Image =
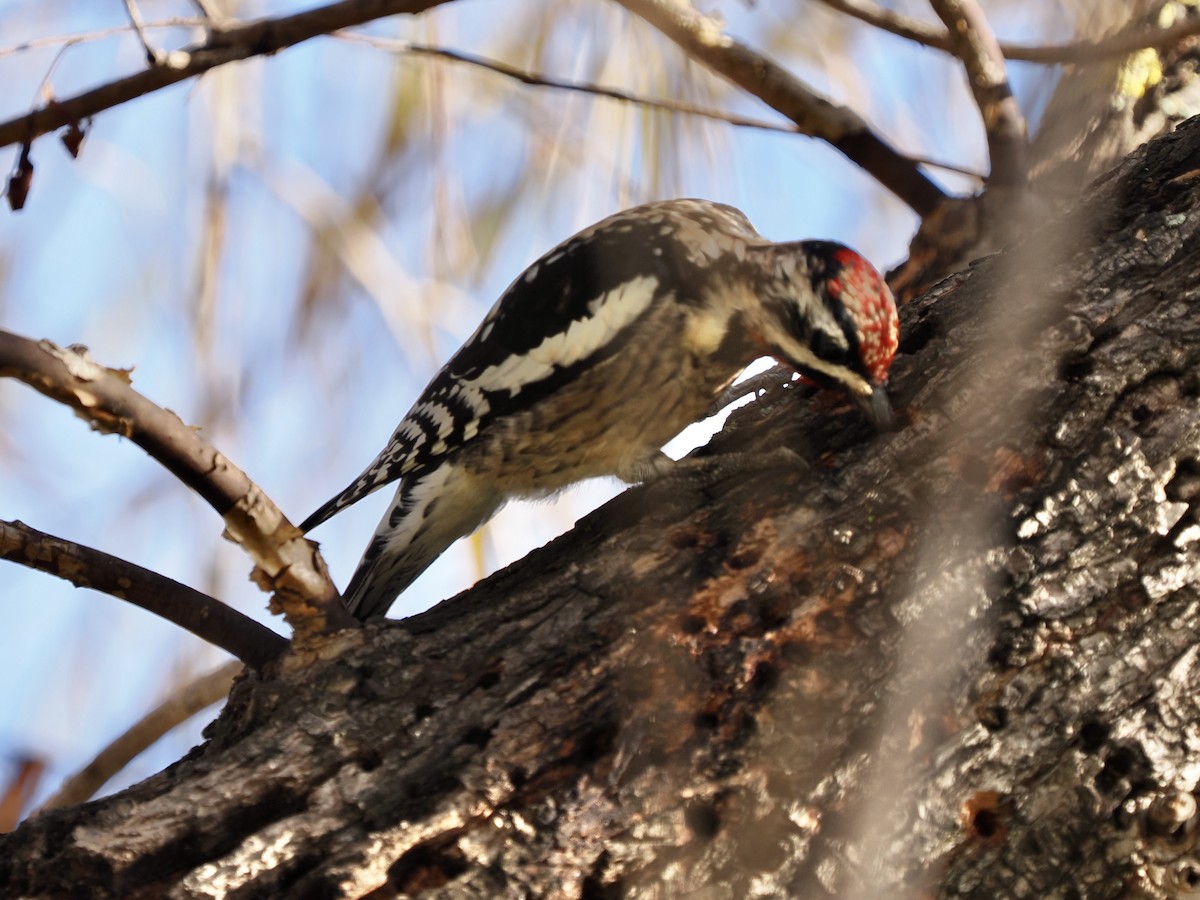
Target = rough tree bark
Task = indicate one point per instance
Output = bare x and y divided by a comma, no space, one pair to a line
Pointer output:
957,660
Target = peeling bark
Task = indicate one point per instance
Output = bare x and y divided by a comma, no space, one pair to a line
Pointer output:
957,660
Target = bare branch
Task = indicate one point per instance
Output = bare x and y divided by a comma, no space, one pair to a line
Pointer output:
20,789
1084,51
85,567
135,19
975,44
224,45
893,22
539,80
70,40
193,697
703,40
286,563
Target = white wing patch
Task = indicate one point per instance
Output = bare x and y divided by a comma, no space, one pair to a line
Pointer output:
610,313
513,374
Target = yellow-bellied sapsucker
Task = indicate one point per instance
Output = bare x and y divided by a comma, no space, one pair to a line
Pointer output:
597,355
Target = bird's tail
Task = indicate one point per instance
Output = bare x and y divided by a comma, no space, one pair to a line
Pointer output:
379,579
431,510
338,503
385,468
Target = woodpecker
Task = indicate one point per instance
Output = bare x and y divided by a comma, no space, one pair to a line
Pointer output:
599,353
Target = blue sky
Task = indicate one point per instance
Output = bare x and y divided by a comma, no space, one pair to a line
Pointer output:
109,253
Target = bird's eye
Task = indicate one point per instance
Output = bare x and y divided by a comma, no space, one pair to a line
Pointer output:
826,347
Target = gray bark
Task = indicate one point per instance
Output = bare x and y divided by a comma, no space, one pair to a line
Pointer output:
957,660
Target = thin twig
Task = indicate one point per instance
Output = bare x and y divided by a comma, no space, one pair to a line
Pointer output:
893,22
21,787
537,79
135,18
975,44
702,39
70,40
207,10
210,620
534,79
286,564
1082,51
236,42
184,703
932,163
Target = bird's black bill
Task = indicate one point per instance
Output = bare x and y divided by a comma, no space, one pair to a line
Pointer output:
877,409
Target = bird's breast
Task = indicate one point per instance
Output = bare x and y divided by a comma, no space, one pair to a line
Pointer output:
610,414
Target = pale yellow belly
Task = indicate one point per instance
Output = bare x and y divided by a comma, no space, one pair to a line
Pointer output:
605,423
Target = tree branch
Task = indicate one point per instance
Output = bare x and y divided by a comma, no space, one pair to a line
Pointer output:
285,562
70,40
20,788
534,79
198,694
135,19
702,39
974,43
537,79
224,45
1085,51
210,620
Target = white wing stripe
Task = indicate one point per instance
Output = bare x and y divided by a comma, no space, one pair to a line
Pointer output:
609,314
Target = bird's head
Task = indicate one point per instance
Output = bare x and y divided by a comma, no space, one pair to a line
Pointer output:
832,318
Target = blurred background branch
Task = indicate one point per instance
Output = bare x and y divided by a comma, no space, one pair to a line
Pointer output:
1086,50
185,702
702,39
226,45
973,42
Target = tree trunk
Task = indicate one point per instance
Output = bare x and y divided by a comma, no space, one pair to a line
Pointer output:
957,660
